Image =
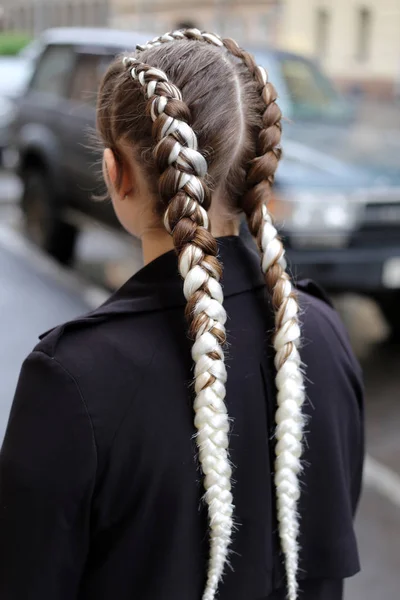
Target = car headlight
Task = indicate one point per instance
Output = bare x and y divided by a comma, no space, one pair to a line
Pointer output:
316,215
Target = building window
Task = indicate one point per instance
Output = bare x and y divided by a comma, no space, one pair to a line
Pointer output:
363,36
322,23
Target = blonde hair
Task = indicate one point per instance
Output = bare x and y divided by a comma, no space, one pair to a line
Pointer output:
185,195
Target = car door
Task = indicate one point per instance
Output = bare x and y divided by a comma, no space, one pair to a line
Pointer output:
82,150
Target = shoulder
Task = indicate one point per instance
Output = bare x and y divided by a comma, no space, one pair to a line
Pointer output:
105,355
334,382
102,359
322,326
48,411
95,338
333,410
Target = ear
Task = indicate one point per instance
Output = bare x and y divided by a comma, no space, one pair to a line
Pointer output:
109,167
119,182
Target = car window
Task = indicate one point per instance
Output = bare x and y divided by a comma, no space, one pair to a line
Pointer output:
88,72
304,83
271,64
311,93
52,73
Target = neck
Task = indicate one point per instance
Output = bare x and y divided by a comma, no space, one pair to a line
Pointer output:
155,242
158,241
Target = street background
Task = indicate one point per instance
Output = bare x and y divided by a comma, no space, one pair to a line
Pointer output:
358,46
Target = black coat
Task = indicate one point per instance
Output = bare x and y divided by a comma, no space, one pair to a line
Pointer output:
100,491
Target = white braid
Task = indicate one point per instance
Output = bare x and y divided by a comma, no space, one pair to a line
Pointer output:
289,418
211,417
289,379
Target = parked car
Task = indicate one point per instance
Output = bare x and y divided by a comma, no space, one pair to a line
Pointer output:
14,75
338,188
338,204
52,131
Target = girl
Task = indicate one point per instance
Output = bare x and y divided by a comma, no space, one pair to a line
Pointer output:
109,445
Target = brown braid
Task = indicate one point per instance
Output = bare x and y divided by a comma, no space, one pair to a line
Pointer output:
260,178
186,198
227,105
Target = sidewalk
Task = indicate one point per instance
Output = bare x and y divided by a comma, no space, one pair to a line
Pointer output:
37,296
378,531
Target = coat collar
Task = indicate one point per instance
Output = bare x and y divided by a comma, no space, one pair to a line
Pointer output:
159,286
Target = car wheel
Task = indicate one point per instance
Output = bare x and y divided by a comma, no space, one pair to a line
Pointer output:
390,307
43,224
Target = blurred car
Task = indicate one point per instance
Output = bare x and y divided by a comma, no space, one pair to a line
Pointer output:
337,194
14,75
33,49
338,205
52,130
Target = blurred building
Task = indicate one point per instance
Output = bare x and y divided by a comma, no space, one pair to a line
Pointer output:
253,20
32,16
248,21
357,41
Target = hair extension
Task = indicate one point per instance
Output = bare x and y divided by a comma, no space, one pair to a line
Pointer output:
185,193
289,377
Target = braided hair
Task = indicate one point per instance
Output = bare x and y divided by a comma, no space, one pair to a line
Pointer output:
289,379
184,194
187,197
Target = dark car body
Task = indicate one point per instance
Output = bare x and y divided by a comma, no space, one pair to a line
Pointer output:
14,75
344,201
56,117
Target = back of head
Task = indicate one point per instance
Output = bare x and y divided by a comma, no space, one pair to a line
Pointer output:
200,116
224,103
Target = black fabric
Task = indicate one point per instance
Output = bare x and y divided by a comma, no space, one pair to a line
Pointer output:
100,490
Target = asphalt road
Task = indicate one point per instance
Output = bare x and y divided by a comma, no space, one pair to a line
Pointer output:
29,283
